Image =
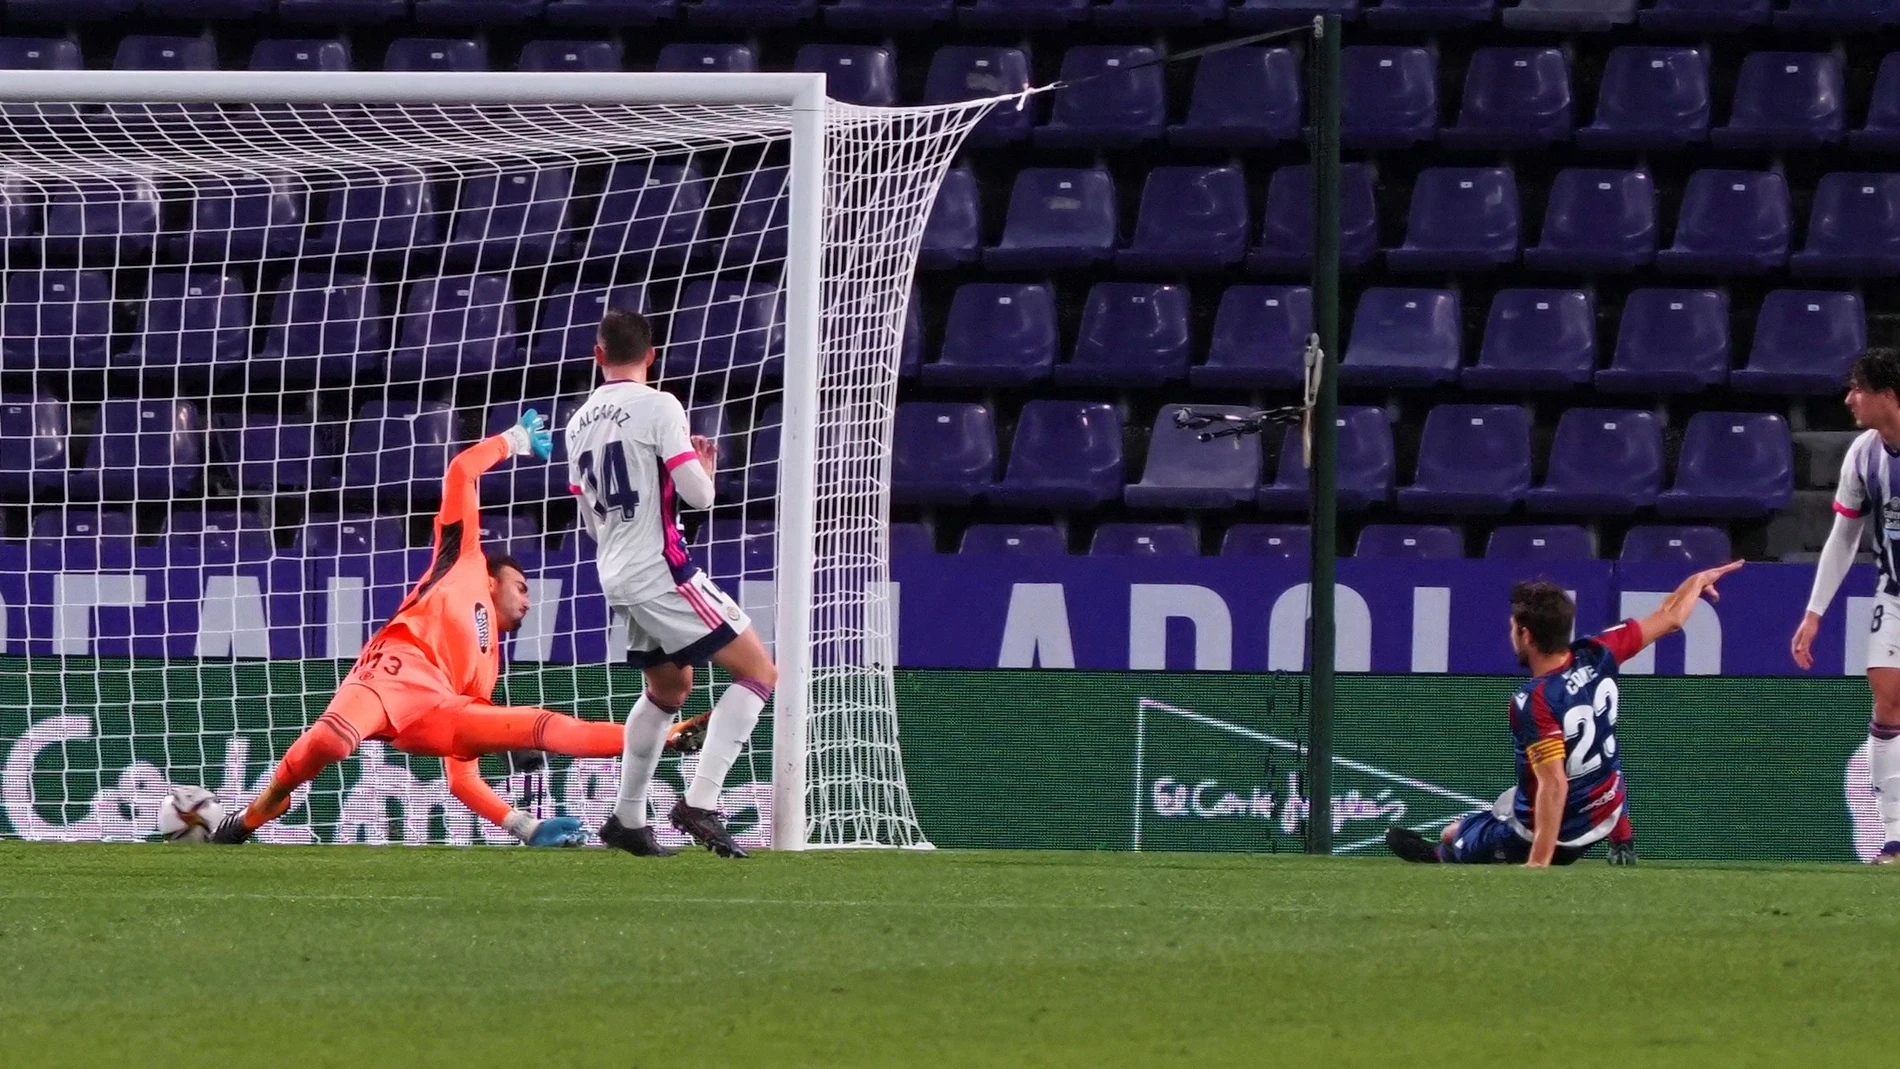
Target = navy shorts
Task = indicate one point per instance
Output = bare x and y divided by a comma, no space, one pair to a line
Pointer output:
1483,839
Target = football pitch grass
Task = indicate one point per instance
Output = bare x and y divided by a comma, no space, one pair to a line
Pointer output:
128,956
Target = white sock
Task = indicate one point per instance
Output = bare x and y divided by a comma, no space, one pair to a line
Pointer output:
1883,760
732,722
647,726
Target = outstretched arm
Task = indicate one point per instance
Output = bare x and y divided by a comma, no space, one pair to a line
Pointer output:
1675,609
469,788
461,494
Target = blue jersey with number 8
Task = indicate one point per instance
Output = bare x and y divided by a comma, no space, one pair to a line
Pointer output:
1570,716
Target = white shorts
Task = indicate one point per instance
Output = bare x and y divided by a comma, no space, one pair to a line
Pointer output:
683,626
1883,640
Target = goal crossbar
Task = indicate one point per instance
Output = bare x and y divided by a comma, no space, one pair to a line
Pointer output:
800,91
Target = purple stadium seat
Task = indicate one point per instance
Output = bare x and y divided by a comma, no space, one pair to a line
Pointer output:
1694,547
1541,542
1514,98
1066,455
435,54
610,13
1192,219
1804,342
888,14
1160,13
1389,96
954,233
1651,98
146,450
1278,541
731,331
20,214
912,540
1602,461
511,533
1732,222
1472,460
1670,341
1597,220
81,540
758,481
478,12
1838,15
1366,465
33,435
39,53
744,14
1855,227
377,214
1405,541
966,72
570,56
855,74
1133,334
269,454
511,220
1705,16
101,222
354,535
760,217
1012,540
1404,338
1571,16
1243,98
683,58
1431,14
1259,339
570,319
533,482
455,326
1116,99
241,219
655,210
225,537
1286,228
1536,340
399,448
997,334
1262,14
1786,100
300,55
54,320
1144,540
1882,132
1733,465
192,319
325,328
1023,14
1183,472
1462,219
1059,217
342,12
69,10
146,52
942,454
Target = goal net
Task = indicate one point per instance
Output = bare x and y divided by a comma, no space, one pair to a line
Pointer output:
246,321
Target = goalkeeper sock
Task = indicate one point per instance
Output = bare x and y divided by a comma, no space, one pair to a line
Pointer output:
731,725
645,737
1883,762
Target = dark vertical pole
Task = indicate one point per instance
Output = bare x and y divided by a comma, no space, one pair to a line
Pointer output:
1319,730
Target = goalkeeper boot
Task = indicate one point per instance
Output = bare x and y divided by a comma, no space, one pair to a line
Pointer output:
688,736
640,842
707,828
1623,853
1411,846
231,831
1889,854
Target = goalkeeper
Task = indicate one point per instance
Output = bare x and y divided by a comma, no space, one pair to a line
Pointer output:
425,682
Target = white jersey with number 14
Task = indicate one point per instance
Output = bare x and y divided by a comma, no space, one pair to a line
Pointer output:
622,447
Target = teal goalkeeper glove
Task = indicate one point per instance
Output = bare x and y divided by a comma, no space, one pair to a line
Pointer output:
558,831
531,435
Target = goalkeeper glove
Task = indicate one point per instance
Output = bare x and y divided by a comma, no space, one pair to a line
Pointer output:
557,831
530,435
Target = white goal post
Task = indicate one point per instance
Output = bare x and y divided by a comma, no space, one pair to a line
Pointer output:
743,209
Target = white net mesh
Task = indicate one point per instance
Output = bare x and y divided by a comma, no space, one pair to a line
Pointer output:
239,342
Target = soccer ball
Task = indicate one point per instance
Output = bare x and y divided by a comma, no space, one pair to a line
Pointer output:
189,815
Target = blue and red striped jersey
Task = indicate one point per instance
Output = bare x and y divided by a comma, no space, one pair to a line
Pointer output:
1570,715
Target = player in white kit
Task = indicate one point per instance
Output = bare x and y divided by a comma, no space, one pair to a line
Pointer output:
633,462
1868,489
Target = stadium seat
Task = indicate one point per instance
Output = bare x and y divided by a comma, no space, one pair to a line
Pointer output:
1514,98
1138,14
226,537
1259,339
650,210
511,533
1243,98
100,222
888,14
1058,218
356,535
1286,229
511,220
732,332
1065,455
270,454
147,52
33,437
1838,15
968,72
1278,541
1536,340
1133,334
40,54
1854,228
1144,540
1023,14
1540,542
1733,465
478,12
733,467
953,234
1670,341
300,55
760,215
379,214
342,12
1804,342
1882,132
241,219
1366,465
681,57
1264,14
1404,541
570,319
855,74
1569,16
942,454
455,326
1597,220
997,334
570,56
1192,219
1786,100
1115,99
1185,473
325,328
1472,460
145,451
1012,540
732,549
1431,14
80,540
745,14
192,319
912,540
610,13
1732,223
1602,461
1389,96
1694,547
1651,98
55,320
399,448
1462,219
69,10
435,54
1705,16
1404,338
